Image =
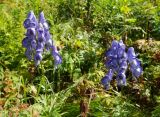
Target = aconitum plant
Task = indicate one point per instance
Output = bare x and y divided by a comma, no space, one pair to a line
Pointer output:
118,61
38,39
29,42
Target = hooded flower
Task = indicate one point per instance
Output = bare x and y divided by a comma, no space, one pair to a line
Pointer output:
135,67
117,62
29,42
46,34
30,21
38,39
112,52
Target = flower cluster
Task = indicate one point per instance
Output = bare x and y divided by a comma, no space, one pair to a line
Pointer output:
38,39
118,61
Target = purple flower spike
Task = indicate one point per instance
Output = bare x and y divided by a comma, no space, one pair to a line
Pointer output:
29,42
38,39
117,61
134,63
46,34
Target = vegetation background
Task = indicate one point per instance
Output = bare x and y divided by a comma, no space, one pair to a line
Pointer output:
83,30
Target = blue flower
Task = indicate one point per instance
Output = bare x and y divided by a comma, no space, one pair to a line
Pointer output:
31,32
131,54
31,21
112,64
29,42
26,42
118,61
107,79
135,67
38,39
112,52
47,36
